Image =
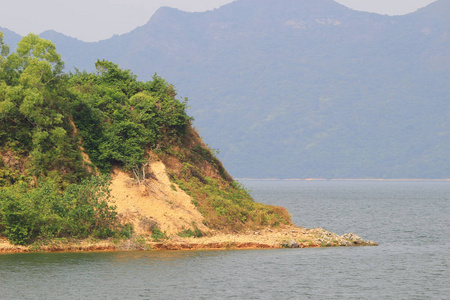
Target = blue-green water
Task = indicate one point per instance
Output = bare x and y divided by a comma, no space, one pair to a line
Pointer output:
410,220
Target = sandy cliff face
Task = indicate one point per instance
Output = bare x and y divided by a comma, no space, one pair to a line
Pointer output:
154,202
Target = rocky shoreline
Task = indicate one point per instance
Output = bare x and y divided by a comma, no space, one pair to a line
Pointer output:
268,238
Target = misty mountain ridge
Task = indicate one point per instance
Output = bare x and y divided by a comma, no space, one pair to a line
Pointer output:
300,89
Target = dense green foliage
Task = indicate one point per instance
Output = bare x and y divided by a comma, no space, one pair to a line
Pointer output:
47,120
34,110
119,117
116,116
45,212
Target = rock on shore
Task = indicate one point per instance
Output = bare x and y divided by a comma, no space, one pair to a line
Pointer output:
269,238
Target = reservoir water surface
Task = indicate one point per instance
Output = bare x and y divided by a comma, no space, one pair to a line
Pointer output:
410,221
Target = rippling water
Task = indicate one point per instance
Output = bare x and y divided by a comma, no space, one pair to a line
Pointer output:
410,220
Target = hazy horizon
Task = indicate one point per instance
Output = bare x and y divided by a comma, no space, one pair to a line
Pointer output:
96,20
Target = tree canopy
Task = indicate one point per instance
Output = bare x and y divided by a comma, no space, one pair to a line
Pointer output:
116,116
48,118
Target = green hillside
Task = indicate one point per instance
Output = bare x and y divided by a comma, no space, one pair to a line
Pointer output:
61,135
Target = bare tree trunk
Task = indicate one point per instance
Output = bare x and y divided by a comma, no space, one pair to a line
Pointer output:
136,174
143,168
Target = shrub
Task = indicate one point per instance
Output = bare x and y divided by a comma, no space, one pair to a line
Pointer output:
45,211
158,235
197,233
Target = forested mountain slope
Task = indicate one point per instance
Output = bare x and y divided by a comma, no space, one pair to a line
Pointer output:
300,89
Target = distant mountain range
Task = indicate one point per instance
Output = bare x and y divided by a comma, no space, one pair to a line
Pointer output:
299,88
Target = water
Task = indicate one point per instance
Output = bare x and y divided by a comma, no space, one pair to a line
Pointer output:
410,220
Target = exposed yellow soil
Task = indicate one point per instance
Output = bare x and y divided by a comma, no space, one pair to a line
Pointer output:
154,201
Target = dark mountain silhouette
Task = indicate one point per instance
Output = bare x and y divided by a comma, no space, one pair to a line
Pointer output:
299,88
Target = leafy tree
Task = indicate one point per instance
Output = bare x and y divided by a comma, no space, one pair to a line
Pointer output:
32,103
4,48
119,117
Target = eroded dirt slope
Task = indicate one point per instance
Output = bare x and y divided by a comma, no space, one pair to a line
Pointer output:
155,201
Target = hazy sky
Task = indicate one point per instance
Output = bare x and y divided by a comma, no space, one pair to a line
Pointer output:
92,20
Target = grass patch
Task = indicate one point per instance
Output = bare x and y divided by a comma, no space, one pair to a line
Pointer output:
226,205
197,233
158,235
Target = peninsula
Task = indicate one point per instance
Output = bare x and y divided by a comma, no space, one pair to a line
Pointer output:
102,161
